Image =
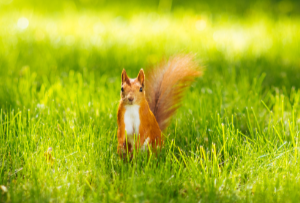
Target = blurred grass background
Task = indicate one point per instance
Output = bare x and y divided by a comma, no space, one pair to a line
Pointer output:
100,36
234,139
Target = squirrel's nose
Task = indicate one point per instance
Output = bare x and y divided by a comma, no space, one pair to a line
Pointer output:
130,99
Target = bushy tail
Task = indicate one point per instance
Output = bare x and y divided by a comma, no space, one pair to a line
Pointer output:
165,86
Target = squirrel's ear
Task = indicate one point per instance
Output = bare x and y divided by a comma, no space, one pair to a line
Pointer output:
141,77
125,78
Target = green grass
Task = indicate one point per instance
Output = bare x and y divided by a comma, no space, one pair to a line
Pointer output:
235,139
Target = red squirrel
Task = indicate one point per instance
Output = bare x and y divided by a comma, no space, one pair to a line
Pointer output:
149,101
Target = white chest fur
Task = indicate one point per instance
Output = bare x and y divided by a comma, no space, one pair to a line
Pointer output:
132,121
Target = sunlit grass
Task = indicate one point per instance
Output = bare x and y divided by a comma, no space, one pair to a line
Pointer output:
255,35
235,139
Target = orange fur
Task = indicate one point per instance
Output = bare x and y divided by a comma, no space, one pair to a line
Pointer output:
162,92
166,85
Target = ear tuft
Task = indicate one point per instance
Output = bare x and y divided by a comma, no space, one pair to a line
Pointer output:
125,78
141,77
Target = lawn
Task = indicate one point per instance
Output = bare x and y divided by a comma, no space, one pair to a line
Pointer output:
235,138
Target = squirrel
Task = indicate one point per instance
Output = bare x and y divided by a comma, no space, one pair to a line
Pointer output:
148,103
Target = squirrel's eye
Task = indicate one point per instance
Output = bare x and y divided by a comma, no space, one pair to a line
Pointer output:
141,89
122,89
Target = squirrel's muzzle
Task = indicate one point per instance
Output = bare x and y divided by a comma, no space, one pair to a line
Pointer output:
130,99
